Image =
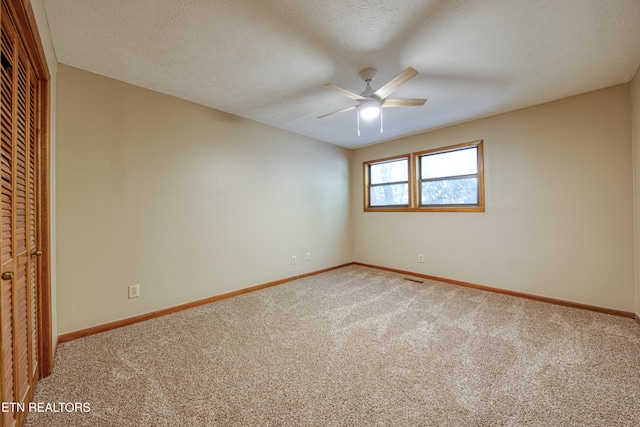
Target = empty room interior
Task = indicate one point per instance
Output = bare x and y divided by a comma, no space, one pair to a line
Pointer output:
200,226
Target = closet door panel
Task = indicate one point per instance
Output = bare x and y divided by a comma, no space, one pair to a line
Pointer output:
7,244
18,211
31,227
21,289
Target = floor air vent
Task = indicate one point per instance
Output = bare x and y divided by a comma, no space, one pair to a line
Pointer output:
413,280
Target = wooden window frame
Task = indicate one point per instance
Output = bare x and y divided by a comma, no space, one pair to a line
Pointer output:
477,207
367,185
414,181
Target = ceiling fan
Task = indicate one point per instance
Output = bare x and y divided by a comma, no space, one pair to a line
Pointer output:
371,102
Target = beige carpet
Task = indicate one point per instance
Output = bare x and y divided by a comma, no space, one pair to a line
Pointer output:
355,347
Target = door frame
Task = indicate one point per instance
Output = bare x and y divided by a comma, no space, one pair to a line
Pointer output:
21,13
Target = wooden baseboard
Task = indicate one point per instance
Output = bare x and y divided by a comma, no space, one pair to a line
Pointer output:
163,312
69,336
511,293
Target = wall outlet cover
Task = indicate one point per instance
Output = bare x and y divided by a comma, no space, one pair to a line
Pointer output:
134,291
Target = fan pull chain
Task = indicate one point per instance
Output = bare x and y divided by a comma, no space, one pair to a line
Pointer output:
358,118
381,118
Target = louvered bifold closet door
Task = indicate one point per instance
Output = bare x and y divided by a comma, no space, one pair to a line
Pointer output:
6,296
21,282
31,228
18,167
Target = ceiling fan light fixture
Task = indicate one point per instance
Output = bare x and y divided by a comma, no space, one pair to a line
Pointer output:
369,110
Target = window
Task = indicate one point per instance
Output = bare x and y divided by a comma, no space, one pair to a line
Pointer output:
387,183
449,179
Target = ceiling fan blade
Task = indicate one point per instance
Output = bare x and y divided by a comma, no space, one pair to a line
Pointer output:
403,102
395,83
345,92
339,111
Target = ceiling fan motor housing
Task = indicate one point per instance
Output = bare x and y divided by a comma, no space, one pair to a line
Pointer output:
367,75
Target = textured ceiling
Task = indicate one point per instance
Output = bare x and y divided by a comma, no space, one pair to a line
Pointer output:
267,60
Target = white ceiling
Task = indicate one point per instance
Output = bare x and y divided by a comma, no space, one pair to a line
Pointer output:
266,60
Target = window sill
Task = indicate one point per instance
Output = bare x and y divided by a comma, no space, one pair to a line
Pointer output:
474,208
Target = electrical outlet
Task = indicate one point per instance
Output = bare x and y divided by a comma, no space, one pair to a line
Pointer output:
420,258
308,256
134,291
293,260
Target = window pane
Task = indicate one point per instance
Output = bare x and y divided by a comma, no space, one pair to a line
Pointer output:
394,171
452,163
450,192
389,195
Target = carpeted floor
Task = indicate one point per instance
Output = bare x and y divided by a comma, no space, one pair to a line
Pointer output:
355,347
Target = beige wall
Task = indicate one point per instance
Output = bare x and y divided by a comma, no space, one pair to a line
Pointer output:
184,200
52,64
635,120
559,214
190,202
